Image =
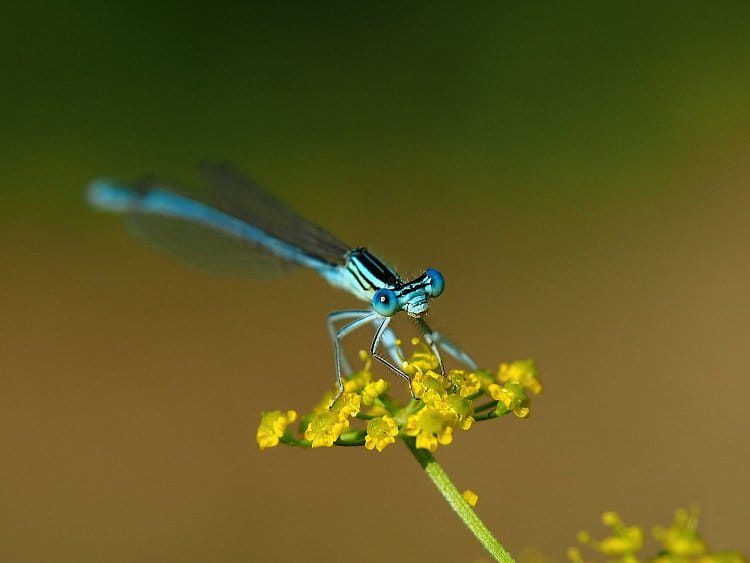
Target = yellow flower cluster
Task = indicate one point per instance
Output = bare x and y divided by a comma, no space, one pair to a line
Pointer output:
516,378
443,403
680,543
326,427
446,405
621,546
272,427
381,431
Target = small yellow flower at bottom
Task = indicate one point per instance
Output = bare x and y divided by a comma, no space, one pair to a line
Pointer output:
373,390
681,539
325,428
512,396
272,427
466,383
623,543
431,387
347,405
430,426
470,497
381,432
463,410
522,372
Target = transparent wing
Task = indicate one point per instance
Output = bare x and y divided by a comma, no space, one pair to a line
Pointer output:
208,248
239,196
229,225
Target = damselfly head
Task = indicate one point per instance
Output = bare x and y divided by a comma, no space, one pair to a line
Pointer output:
412,297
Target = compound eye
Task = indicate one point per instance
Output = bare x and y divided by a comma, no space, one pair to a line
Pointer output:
385,302
437,282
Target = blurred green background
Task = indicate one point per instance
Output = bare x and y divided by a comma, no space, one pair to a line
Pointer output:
579,173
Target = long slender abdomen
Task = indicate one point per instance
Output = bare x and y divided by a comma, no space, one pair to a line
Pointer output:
112,196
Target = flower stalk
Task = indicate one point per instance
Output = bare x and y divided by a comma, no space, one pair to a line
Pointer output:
443,405
455,499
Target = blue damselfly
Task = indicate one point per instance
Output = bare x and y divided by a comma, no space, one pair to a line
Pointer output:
234,226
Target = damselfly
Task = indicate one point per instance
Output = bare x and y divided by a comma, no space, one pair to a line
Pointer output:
234,226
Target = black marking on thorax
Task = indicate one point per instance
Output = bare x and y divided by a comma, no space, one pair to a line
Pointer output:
414,285
369,271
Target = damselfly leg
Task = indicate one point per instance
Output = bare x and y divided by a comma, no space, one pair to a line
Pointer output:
374,352
383,335
446,345
360,318
389,340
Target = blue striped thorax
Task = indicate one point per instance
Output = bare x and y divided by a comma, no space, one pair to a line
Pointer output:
370,279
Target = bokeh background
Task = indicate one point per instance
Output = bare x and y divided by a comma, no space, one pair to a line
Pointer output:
579,173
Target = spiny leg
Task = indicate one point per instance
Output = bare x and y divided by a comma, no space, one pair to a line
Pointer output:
331,321
449,347
390,342
374,352
365,318
428,335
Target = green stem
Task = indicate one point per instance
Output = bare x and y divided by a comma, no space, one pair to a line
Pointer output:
387,404
492,414
485,406
458,504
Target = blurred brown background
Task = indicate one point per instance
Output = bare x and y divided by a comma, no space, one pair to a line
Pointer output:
579,174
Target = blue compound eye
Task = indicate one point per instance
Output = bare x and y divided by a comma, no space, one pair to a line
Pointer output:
437,282
385,302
